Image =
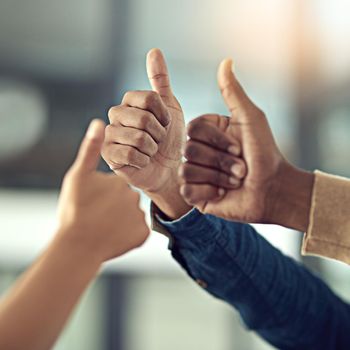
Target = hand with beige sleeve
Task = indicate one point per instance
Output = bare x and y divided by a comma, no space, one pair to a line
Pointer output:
274,191
99,219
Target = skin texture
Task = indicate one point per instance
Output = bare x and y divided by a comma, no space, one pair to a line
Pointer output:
145,139
273,191
99,219
92,202
147,132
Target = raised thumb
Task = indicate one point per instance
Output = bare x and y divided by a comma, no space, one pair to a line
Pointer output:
231,90
89,152
157,72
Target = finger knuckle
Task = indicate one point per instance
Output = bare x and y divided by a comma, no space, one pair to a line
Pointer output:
140,139
151,98
153,149
130,154
193,128
109,132
144,120
191,151
223,162
162,132
128,96
186,171
113,113
214,139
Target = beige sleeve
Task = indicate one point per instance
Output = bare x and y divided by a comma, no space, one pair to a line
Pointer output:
328,233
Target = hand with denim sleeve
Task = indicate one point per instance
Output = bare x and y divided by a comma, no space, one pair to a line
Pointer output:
277,297
145,139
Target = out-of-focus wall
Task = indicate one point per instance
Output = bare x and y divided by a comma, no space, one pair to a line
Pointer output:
63,63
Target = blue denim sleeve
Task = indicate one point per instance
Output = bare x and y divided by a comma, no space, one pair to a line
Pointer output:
277,297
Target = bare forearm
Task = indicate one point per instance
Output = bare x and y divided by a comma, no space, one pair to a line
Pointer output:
292,206
36,309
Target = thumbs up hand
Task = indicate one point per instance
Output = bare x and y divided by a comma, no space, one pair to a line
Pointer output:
146,135
98,212
216,179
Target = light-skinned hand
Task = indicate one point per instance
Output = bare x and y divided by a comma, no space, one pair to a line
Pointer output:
99,211
145,139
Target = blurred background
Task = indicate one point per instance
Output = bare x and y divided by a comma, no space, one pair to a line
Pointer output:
65,62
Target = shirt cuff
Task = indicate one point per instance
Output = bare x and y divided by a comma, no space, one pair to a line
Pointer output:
191,225
328,233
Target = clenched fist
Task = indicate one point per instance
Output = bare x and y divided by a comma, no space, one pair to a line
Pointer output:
98,211
144,141
213,169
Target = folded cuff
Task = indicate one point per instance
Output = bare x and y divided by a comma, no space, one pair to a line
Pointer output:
328,233
192,225
317,247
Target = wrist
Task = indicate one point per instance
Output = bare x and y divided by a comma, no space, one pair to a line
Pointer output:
74,243
291,198
168,198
